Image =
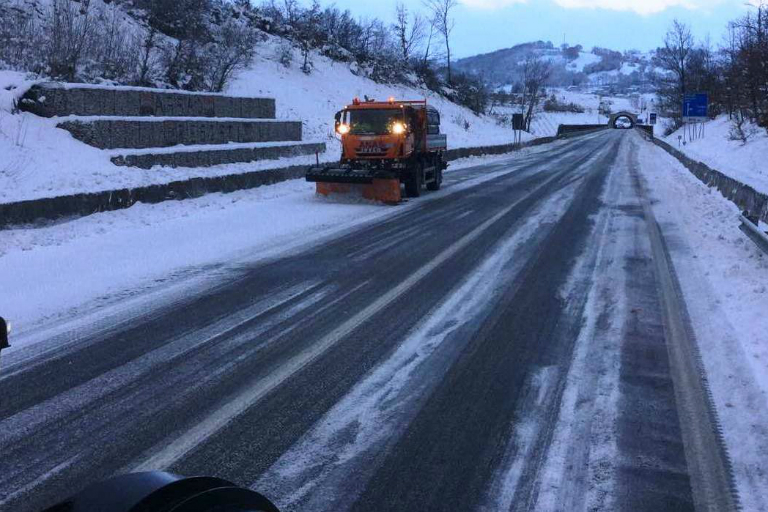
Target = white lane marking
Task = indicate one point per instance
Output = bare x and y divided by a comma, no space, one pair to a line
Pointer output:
179,447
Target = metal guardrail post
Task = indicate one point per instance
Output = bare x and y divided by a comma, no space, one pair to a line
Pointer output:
750,228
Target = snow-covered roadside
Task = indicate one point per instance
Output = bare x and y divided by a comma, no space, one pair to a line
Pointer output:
724,279
53,272
743,162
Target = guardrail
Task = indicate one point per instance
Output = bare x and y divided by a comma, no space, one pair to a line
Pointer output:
745,197
749,227
564,130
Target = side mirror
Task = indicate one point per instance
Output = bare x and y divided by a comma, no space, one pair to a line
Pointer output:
164,492
5,330
337,117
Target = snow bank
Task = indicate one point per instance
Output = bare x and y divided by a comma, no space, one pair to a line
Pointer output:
746,163
723,278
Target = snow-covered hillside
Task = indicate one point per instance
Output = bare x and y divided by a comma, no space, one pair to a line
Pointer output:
571,66
40,160
331,85
746,163
582,61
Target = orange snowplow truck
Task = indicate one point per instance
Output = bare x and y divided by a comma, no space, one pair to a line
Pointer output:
385,144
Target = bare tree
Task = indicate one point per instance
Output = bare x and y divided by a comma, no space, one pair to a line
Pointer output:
444,23
233,49
428,46
70,30
408,31
148,45
675,57
536,72
21,38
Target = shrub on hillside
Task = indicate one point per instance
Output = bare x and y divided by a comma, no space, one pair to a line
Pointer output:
552,104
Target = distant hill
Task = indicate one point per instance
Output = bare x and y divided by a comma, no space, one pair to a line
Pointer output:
572,66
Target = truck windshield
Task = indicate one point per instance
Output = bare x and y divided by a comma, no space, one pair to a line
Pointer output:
372,122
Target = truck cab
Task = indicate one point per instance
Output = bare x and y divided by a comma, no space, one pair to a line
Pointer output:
400,139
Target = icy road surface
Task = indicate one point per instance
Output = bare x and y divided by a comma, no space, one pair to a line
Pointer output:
501,345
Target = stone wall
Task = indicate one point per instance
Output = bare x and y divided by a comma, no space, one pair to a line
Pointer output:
129,134
209,157
54,99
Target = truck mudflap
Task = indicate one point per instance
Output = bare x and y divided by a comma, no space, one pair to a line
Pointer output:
372,185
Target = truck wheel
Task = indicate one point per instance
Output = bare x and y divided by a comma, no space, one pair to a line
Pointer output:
413,182
435,185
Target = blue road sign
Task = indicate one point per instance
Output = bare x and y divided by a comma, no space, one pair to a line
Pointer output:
695,107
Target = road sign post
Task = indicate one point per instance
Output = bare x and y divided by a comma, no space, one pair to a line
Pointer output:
695,112
695,108
518,124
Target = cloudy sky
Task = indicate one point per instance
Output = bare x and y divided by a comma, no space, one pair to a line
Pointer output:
487,25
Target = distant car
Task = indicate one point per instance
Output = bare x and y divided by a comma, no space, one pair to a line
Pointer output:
623,123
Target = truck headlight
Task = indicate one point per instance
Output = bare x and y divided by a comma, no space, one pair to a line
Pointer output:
398,128
342,129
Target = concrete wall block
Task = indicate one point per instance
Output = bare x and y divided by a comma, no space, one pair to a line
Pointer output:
75,102
240,155
167,133
127,103
41,101
91,101
147,103
108,103
207,158
147,138
207,106
83,132
225,107
72,100
53,101
127,133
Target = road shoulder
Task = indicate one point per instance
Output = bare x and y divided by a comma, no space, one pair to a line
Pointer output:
722,276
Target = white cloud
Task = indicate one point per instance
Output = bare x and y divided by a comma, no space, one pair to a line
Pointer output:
491,4
644,7
638,6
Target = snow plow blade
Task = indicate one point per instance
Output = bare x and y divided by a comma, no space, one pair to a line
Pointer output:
374,186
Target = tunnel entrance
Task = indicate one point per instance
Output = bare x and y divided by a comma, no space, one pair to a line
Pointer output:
623,121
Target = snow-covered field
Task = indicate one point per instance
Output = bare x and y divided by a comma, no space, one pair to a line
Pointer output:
724,278
40,160
746,163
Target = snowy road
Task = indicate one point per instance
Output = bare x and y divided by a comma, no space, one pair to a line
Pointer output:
498,346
